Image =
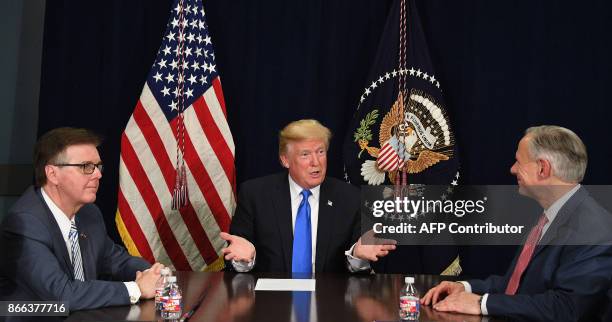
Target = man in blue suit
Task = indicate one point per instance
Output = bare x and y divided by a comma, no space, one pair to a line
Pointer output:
54,245
563,271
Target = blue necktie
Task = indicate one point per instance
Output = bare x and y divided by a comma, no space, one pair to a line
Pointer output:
302,238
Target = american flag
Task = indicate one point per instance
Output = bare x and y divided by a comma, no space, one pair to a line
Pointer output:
187,238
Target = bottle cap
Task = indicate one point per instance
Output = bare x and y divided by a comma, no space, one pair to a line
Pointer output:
171,279
409,279
166,271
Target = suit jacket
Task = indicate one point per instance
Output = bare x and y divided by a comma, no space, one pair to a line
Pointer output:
263,216
36,264
566,279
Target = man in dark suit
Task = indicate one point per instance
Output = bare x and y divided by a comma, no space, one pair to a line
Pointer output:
563,271
54,245
300,221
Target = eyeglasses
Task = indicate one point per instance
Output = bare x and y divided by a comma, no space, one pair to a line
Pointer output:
87,168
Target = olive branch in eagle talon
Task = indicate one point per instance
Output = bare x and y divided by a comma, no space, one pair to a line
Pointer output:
363,135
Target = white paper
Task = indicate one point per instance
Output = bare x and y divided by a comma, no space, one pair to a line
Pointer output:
277,284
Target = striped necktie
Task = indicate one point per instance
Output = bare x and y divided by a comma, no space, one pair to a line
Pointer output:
75,251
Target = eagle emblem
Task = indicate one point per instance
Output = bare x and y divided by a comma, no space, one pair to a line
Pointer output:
412,138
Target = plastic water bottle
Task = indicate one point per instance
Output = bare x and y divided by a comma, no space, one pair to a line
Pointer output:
160,287
409,306
172,300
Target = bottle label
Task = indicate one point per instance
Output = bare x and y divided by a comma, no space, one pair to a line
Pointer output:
158,294
172,304
409,304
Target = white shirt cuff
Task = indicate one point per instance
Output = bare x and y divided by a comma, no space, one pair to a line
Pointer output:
243,267
133,291
483,304
355,264
468,287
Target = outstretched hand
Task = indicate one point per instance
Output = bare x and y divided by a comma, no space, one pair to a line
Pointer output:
370,248
238,248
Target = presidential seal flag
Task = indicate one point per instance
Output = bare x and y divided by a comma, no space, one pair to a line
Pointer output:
176,171
401,133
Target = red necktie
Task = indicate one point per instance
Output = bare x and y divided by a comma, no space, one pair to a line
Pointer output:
526,254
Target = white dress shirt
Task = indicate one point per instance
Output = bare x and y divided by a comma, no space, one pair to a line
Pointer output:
64,225
550,213
354,264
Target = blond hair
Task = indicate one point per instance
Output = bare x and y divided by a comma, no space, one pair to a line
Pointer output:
562,148
302,130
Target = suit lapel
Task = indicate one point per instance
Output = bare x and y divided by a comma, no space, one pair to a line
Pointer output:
324,227
563,216
282,211
59,245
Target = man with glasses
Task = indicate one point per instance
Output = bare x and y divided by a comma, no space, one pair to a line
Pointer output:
54,245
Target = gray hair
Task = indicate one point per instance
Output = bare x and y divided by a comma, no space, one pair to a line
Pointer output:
562,148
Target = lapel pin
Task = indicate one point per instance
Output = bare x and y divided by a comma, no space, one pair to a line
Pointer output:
329,203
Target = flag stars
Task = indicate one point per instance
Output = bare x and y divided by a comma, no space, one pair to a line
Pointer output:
191,37
373,85
157,77
173,106
198,52
211,68
432,79
170,78
192,79
425,76
394,73
175,92
181,78
438,84
207,40
201,25
188,52
166,50
412,71
199,38
387,76
174,64
418,73
165,91
181,36
170,36
189,93
203,80
367,91
162,63
195,65
381,80
174,23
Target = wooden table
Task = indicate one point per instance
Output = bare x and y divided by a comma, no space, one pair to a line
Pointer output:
232,297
